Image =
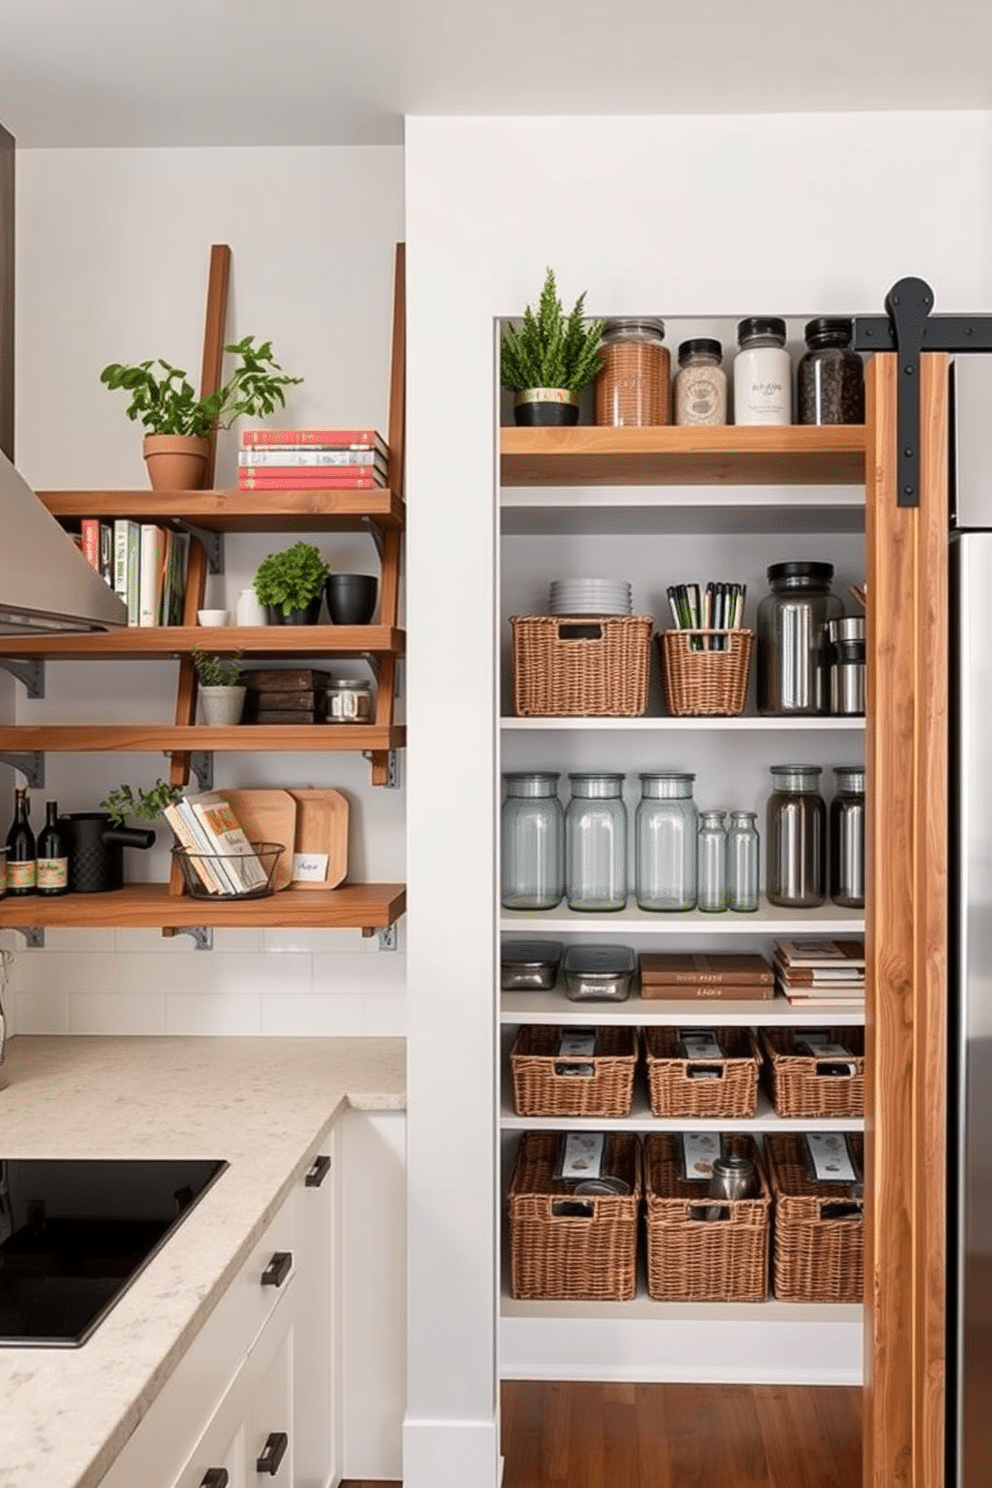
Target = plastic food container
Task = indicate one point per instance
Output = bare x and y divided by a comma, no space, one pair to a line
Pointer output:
530,965
602,973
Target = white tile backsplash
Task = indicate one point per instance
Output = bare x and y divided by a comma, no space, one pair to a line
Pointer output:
324,1015
38,1012
93,1012
233,1014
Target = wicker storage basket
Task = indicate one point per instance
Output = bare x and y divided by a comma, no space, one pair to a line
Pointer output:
703,683
692,1258
544,1084
818,1256
562,1246
581,668
674,1091
800,1084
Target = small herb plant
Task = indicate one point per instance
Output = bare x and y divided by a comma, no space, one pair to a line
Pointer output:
163,400
290,580
217,671
147,805
551,349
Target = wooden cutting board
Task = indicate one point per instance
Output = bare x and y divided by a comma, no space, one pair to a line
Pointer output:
268,815
322,827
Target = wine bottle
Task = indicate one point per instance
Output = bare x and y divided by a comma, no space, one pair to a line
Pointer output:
53,855
22,860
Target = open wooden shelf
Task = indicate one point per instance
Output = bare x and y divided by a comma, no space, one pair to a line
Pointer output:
238,511
170,738
361,906
171,641
684,456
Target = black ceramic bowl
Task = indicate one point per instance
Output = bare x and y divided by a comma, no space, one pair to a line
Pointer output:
351,598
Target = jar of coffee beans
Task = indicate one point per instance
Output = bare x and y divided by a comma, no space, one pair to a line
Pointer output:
830,377
634,385
700,383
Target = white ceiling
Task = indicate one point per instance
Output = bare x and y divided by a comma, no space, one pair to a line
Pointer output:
281,72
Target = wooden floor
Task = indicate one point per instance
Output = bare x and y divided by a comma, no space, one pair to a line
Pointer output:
680,1436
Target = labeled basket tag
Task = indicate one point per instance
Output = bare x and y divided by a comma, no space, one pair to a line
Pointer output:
581,1155
579,1043
699,1150
830,1157
700,1043
822,1046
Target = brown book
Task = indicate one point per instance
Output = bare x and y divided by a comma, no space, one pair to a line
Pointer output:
283,715
707,991
820,954
293,679
718,969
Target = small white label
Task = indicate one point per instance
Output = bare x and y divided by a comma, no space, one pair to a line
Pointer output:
831,1159
579,1044
310,867
582,1154
699,1043
699,1150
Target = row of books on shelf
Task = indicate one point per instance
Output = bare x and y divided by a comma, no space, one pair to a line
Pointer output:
144,562
312,459
810,972
220,852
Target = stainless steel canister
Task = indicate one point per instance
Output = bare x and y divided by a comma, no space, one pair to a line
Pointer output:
792,638
847,839
846,662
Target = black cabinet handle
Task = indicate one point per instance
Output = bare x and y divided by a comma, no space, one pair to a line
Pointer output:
272,1453
319,1171
215,1477
278,1268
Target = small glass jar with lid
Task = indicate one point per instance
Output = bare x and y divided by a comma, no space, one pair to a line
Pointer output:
532,841
349,700
743,854
793,645
847,838
711,878
596,842
665,832
700,393
633,387
762,372
830,378
796,838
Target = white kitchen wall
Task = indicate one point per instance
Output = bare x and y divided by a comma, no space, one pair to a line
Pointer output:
112,254
695,216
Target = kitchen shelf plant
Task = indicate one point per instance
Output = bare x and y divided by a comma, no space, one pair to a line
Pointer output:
178,424
550,358
291,584
222,693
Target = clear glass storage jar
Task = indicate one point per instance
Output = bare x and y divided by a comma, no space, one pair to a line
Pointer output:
532,841
596,842
711,878
792,638
762,372
847,838
665,832
796,838
633,387
743,862
700,390
830,378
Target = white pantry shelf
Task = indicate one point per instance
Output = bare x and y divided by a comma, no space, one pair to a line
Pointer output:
745,723
641,1120
777,1012
828,920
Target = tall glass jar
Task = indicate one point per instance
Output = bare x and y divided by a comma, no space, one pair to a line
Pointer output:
830,378
847,838
532,841
762,372
711,878
796,838
793,652
634,384
700,394
665,829
743,862
596,842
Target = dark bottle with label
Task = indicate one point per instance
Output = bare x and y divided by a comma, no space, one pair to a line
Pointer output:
22,859
53,855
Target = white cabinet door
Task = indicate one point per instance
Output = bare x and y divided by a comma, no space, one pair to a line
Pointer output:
316,1344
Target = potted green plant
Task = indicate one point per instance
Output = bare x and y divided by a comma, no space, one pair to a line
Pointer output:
123,802
291,584
221,691
177,424
550,358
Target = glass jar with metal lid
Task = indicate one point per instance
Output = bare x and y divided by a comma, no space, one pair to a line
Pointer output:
796,838
532,841
700,395
596,842
633,387
847,838
349,700
830,378
665,840
792,638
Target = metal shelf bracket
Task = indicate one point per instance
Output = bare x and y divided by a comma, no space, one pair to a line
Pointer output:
375,532
392,781
201,762
30,671
213,544
387,938
202,935
31,765
34,936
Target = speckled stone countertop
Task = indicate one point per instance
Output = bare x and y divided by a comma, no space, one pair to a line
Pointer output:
264,1104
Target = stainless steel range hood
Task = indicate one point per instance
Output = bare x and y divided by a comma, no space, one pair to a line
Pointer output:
46,585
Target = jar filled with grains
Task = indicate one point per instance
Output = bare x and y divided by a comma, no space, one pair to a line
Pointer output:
830,379
700,383
633,387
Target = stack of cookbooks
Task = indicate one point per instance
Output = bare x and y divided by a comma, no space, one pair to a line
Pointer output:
681,976
821,973
220,852
311,459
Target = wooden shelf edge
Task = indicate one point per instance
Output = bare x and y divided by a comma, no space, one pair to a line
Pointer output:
359,906
170,641
232,510
245,738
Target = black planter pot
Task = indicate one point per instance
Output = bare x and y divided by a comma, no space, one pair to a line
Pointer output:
546,408
96,850
309,616
351,598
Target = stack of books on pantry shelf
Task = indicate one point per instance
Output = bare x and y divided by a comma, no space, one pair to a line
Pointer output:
677,977
311,459
220,852
144,562
821,973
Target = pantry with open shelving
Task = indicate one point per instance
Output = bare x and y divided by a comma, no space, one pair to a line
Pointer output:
658,506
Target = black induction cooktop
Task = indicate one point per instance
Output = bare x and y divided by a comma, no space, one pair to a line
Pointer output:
75,1232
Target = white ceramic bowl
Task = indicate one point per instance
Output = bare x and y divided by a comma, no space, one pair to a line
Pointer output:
212,617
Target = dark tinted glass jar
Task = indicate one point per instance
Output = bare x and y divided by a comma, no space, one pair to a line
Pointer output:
830,378
796,838
792,638
847,839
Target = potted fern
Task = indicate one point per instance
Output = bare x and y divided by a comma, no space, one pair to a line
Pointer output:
222,693
550,358
177,424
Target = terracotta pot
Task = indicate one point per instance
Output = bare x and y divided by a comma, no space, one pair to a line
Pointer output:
176,462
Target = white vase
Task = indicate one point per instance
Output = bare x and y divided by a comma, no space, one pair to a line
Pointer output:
248,610
222,706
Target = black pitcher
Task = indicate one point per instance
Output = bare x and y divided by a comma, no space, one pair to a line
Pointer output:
96,850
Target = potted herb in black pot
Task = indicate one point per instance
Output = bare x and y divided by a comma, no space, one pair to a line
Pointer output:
550,359
291,584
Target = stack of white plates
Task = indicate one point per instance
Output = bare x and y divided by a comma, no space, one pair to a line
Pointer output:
590,597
